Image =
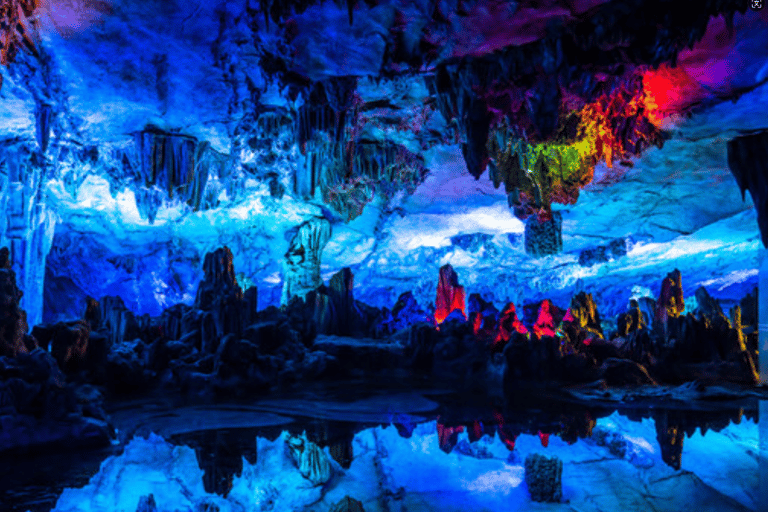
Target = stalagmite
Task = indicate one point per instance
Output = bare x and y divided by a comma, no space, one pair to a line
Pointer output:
302,261
450,295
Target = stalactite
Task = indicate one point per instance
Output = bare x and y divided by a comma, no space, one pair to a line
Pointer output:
176,164
30,224
43,115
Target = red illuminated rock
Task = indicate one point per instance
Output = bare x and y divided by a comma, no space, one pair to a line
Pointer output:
450,295
546,320
508,323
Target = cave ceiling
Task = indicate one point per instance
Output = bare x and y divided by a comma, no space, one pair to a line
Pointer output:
403,123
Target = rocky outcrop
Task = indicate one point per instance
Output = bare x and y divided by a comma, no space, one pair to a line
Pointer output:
40,410
405,313
302,260
450,295
582,320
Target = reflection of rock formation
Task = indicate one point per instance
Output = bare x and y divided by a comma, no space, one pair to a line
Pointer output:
220,455
543,477
670,437
302,261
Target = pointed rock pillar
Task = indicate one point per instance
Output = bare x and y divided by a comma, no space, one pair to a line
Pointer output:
30,223
450,295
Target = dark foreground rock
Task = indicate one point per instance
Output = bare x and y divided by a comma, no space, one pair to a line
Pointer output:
39,410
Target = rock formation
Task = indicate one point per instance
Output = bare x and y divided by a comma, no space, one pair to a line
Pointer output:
13,319
748,161
313,463
450,295
670,303
302,260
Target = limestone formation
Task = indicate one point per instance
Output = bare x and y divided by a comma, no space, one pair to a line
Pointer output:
13,319
670,303
302,260
450,295
313,463
748,161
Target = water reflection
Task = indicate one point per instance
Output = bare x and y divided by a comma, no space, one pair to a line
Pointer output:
463,428
220,452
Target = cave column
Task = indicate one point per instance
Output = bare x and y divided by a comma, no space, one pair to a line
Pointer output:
30,227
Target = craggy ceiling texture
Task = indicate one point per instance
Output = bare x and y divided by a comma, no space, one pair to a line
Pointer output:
135,136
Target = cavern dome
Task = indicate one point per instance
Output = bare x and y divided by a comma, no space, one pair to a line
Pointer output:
379,255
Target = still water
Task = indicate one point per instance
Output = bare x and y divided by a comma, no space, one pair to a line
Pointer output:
404,450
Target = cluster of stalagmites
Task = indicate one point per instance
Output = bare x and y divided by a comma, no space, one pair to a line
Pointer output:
38,407
224,344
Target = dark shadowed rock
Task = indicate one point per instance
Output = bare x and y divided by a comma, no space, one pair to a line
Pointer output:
748,161
92,314
70,345
118,320
13,319
623,372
